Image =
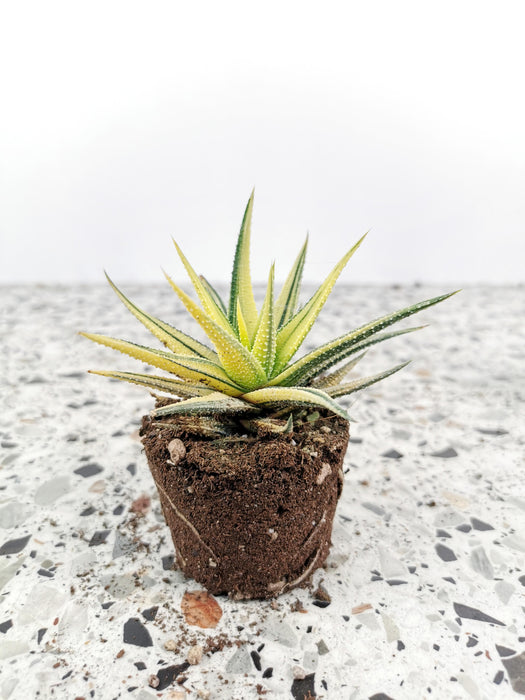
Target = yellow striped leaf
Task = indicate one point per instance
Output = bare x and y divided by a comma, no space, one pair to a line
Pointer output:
336,377
241,284
303,396
286,303
236,360
197,369
175,340
263,347
207,300
241,326
320,363
207,405
336,350
152,381
291,336
215,295
358,384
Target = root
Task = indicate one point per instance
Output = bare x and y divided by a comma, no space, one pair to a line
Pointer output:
316,528
187,522
304,575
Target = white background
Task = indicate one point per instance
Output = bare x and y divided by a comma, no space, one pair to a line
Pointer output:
123,124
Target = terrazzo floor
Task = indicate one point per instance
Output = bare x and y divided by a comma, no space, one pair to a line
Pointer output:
422,596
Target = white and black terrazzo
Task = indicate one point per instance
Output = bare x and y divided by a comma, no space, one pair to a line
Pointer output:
423,595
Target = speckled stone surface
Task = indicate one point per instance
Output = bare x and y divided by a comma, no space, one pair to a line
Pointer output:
423,594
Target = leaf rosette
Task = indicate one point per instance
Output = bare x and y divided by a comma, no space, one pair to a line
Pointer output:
250,367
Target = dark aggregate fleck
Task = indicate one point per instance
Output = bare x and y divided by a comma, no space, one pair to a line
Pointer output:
464,527
322,648
400,645
14,546
89,469
447,453
472,641
45,572
150,613
489,431
392,454
445,553
380,696
321,603
515,667
505,651
107,605
88,511
168,674
480,525
498,677
268,672
468,613
301,687
442,533
136,633
256,658
132,468
118,510
40,634
378,510
395,582
4,626
167,562
140,665
449,579
98,538
73,375
521,579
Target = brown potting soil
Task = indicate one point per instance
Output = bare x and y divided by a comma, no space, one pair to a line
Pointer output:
250,516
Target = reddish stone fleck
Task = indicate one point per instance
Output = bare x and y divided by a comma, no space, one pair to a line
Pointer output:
201,609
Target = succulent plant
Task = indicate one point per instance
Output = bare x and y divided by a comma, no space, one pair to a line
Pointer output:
250,369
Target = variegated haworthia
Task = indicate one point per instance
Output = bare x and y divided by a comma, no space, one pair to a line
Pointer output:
250,370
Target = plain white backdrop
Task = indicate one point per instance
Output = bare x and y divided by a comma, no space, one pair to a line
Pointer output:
125,123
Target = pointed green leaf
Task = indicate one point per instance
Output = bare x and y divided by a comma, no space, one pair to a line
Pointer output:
320,360
286,303
207,300
263,347
304,396
291,336
358,384
236,360
241,285
336,350
207,405
193,368
152,381
175,340
215,295
336,377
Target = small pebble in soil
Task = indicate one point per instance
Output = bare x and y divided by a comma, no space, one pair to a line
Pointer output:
194,655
